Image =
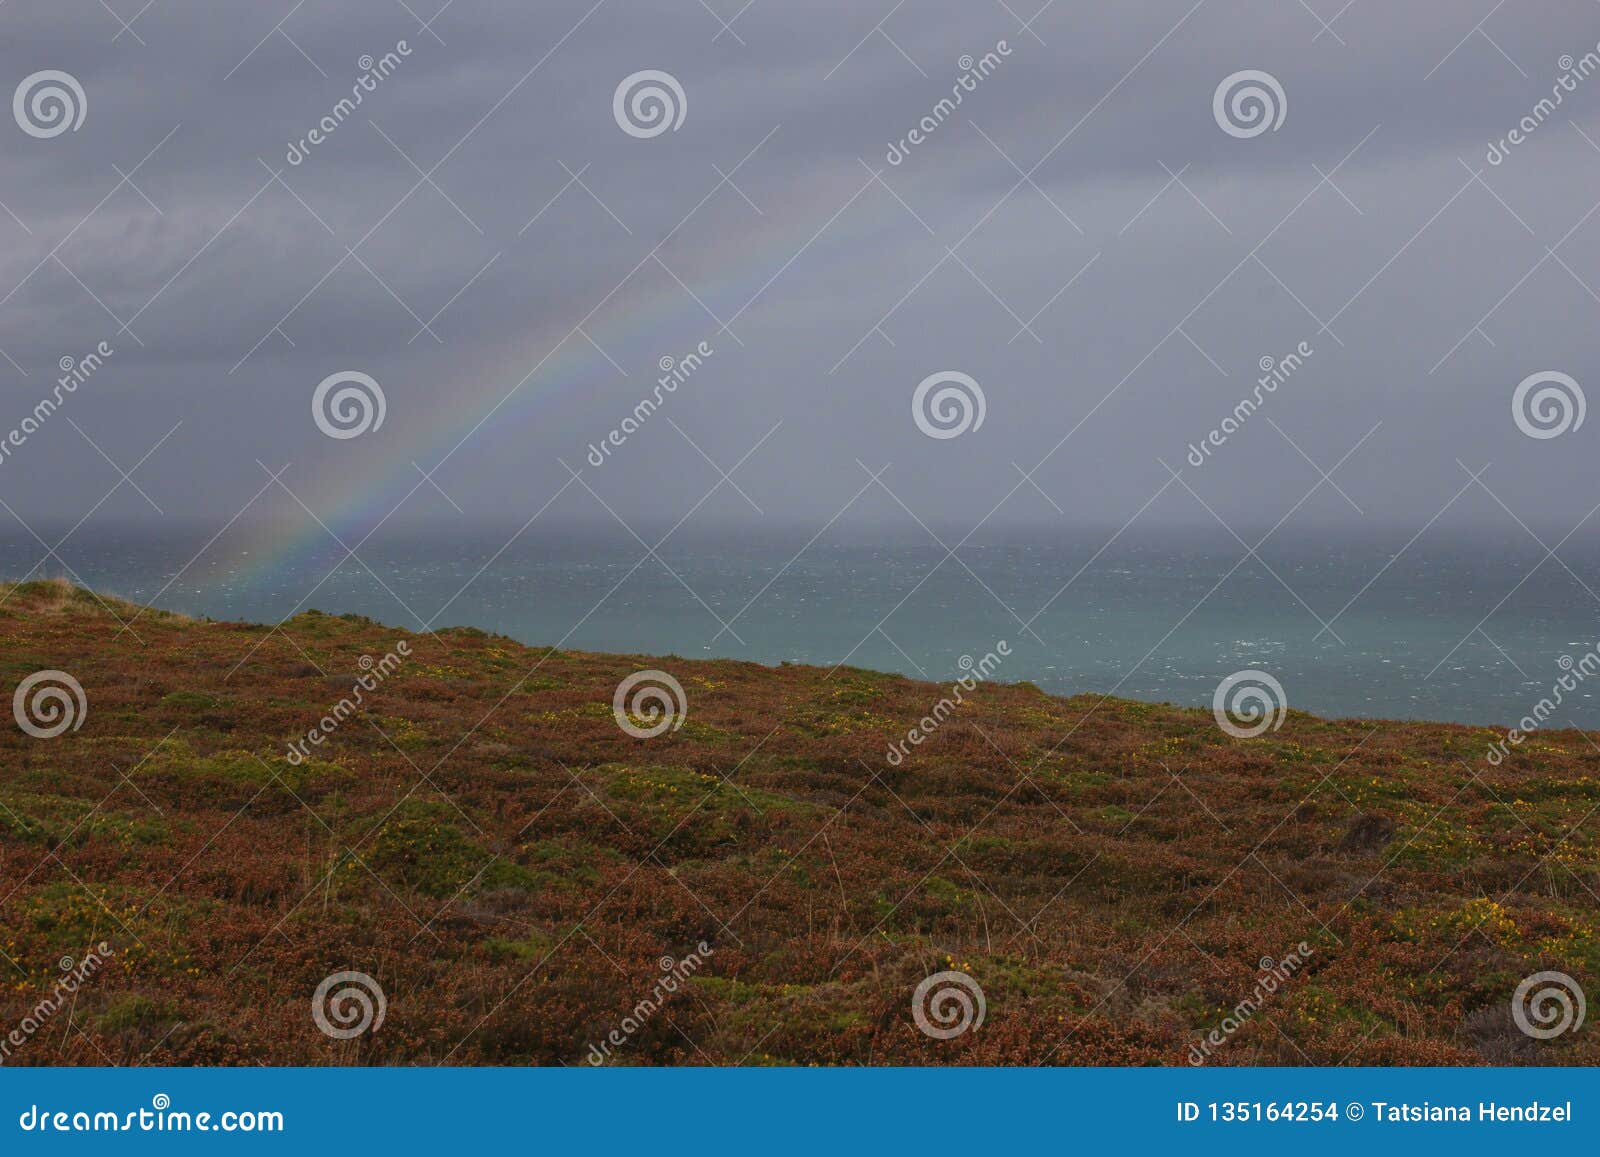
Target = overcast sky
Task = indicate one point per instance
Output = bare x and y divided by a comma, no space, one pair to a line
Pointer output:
1081,237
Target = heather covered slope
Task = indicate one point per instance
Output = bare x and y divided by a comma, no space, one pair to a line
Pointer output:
486,841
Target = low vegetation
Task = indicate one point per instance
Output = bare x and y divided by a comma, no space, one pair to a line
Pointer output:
515,870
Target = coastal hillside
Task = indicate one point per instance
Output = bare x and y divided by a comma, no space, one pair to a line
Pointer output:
336,842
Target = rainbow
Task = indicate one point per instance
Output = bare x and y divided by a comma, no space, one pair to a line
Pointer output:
669,322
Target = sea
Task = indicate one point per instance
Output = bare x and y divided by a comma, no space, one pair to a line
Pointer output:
1440,628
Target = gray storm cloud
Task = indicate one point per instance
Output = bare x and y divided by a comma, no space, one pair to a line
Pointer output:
1079,235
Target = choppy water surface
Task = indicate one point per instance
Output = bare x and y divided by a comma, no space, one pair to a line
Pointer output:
1433,636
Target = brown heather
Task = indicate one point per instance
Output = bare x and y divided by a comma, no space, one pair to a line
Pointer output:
1110,872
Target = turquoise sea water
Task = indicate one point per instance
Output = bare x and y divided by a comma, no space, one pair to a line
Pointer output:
1449,629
